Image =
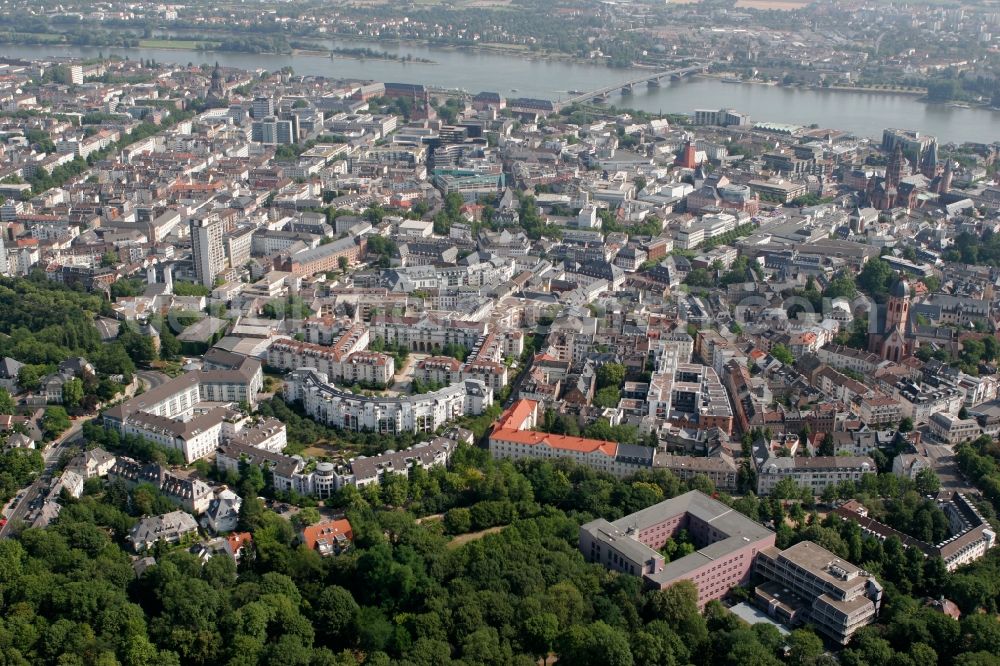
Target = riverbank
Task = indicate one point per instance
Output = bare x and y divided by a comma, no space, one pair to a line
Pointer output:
549,78
888,90
334,55
731,78
177,44
922,92
515,50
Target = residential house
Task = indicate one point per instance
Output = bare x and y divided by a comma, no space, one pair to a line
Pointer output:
169,528
331,537
223,512
93,463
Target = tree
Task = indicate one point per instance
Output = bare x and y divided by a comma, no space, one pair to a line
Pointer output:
170,346
72,393
251,513
139,347
607,397
307,516
842,286
610,374
699,277
876,278
335,614
906,424
927,482
804,647
55,421
677,605
343,264
541,630
826,446
867,648
595,645
782,354
786,488
7,405
483,646
29,377
942,90
457,521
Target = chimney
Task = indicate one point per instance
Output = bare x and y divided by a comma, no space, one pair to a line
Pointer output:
151,275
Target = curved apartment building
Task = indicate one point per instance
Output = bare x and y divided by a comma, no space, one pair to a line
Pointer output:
340,408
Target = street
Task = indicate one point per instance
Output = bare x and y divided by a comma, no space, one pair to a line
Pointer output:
51,456
151,378
943,461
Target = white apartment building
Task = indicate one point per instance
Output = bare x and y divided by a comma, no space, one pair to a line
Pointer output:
207,249
814,474
326,478
341,408
195,438
423,334
950,429
918,402
169,415
356,366
878,410
447,370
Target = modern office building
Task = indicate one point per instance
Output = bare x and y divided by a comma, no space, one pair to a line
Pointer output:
722,117
262,107
808,583
274,131
950,429
913,144
207,249
727,543
804,583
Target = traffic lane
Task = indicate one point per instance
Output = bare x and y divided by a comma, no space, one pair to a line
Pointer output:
50,456
945,465
152,378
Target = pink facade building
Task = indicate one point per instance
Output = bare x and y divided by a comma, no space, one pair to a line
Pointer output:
727,542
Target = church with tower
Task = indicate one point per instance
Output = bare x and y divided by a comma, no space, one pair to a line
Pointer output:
908,178
893,338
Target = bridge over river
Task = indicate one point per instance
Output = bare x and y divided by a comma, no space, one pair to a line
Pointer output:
652,80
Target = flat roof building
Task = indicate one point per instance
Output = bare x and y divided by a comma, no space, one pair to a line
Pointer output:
728,543
808,583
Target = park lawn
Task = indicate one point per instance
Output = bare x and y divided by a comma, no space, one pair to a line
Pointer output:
463,539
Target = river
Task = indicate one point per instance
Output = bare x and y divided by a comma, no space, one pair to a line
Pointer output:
865,114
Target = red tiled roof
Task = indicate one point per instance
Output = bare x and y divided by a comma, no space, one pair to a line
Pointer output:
516,415
562,442
328,530
237,540
448,362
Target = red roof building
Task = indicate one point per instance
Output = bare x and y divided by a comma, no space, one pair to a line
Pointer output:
331,537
